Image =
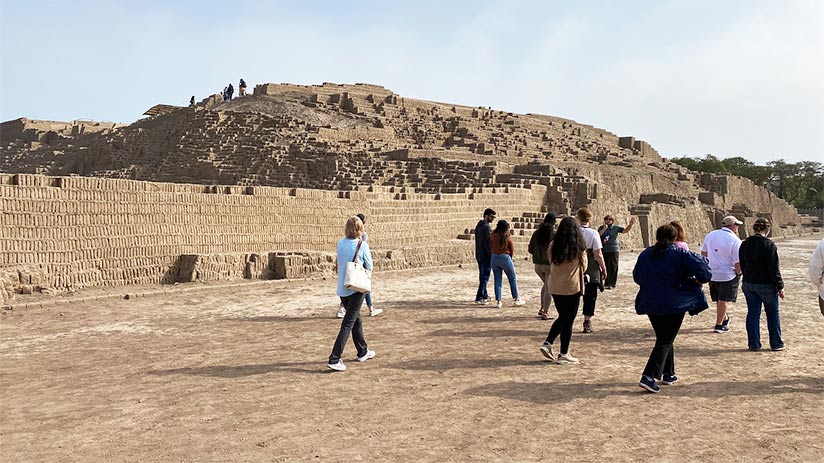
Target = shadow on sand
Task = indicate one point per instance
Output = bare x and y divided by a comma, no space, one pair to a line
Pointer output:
441,365
548,393
239,371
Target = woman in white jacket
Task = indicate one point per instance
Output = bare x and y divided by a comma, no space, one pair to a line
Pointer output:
817,272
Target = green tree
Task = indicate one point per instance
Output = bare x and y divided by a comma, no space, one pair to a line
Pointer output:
801,183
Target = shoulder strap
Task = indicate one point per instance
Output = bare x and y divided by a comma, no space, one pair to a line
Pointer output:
355,259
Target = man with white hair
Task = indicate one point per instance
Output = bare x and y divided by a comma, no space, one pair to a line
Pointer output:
817,272
721,248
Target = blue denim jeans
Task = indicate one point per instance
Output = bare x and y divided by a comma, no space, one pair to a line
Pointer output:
484,268
757,294
502,263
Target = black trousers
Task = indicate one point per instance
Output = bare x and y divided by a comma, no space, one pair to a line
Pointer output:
590,296
662,359
611,261
567,307
351,323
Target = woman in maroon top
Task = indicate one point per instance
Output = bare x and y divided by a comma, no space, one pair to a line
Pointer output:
502,251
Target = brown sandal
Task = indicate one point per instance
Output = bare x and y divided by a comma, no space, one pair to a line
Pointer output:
543,315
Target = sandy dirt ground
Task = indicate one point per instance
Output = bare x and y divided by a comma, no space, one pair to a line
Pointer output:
238,374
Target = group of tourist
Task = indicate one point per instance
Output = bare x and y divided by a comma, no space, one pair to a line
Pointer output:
229,91
575,262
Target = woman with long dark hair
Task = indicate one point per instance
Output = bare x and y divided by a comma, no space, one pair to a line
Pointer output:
538,244
670,279
502,251
568,264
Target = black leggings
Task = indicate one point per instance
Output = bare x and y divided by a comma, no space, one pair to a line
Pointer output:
662,358
567,307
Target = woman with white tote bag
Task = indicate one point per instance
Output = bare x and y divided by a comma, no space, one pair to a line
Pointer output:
354,260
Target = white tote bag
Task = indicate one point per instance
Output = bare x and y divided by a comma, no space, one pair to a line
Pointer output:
357,277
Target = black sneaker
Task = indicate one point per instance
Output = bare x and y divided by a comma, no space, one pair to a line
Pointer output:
669,379
649,384
721,328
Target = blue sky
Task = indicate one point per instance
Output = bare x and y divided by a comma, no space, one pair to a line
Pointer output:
732,78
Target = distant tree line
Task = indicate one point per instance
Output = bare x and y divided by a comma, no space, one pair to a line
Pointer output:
799,183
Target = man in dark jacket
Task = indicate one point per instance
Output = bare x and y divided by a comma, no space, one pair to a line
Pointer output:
483,254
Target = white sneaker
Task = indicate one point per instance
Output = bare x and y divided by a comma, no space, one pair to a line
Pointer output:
564,359
337,366
546,349
369,354
375,312
481,302
341,312
499,304
519,301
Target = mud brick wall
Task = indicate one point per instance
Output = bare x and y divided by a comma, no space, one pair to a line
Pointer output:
694,217
64,233
730,191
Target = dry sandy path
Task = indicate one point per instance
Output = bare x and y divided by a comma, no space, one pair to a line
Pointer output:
238,374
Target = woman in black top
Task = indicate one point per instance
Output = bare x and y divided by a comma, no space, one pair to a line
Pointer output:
762,284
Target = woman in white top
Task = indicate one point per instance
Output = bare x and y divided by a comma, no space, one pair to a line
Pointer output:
596,268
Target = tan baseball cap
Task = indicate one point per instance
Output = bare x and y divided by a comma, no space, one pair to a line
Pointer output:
730,220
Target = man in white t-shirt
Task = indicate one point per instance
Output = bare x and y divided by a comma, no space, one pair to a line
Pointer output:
721,248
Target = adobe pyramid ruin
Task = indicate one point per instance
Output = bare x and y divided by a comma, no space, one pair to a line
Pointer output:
259,187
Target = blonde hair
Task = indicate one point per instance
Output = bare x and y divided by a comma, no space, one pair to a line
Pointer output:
680,234
583,214
354,227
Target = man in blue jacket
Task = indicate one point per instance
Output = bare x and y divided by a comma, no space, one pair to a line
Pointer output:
483,254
